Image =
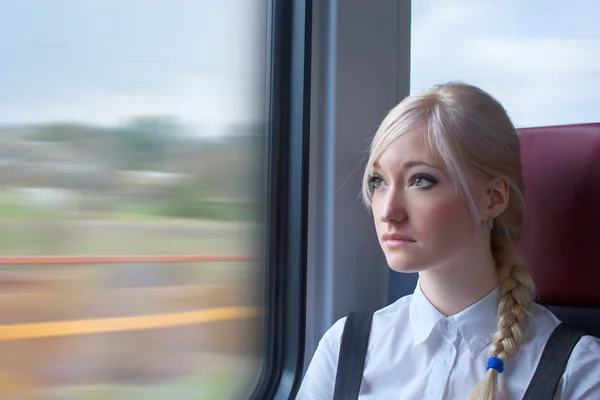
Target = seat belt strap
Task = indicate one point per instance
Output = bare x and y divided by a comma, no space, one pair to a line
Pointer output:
353,353
553,362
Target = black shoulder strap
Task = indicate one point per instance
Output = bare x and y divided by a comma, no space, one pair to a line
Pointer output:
553,362
353,353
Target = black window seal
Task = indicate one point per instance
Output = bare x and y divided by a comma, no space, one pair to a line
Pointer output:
290,31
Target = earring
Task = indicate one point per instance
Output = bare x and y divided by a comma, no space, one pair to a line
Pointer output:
490,223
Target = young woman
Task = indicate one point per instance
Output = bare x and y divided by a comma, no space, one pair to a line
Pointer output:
444,184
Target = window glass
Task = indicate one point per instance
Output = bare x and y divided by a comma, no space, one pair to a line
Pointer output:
539,58
131,176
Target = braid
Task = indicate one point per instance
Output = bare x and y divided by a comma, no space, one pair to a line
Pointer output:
516,296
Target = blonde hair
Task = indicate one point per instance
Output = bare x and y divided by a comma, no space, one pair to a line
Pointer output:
471,131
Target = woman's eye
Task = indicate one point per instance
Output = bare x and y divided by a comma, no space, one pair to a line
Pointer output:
422,181
375,182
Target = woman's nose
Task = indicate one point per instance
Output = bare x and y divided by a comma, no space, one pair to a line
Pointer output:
394,207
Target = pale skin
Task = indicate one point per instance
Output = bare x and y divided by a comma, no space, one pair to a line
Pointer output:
428,224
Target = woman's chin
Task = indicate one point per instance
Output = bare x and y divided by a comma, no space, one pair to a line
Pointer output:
404,269
401,264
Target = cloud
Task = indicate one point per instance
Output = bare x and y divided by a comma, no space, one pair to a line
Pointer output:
542,76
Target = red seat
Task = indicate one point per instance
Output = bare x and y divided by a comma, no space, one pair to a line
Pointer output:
561,241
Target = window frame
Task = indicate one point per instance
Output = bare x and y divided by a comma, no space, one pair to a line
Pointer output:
288,103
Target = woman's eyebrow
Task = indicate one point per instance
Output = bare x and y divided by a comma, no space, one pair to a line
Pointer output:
410,164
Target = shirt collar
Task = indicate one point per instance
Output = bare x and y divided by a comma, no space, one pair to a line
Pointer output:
423,316
477,324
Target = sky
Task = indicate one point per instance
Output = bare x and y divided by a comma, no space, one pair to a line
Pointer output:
539,58
203,61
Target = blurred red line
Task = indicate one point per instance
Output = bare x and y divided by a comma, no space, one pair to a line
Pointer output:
41,260
17,282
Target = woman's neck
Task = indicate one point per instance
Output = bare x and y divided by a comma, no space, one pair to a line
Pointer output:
451,289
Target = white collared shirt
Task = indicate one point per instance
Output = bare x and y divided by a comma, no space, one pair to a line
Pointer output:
416,353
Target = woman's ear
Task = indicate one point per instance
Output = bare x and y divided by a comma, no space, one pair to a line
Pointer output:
498,195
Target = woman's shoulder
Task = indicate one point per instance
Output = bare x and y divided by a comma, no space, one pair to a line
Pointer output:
580,378
544,322
394,308
382,318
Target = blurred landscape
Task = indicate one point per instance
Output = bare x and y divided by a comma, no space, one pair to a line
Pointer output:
144,187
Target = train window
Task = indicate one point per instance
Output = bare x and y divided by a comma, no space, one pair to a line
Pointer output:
539,58
140,175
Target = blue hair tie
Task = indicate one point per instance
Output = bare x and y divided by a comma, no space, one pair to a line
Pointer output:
496,363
